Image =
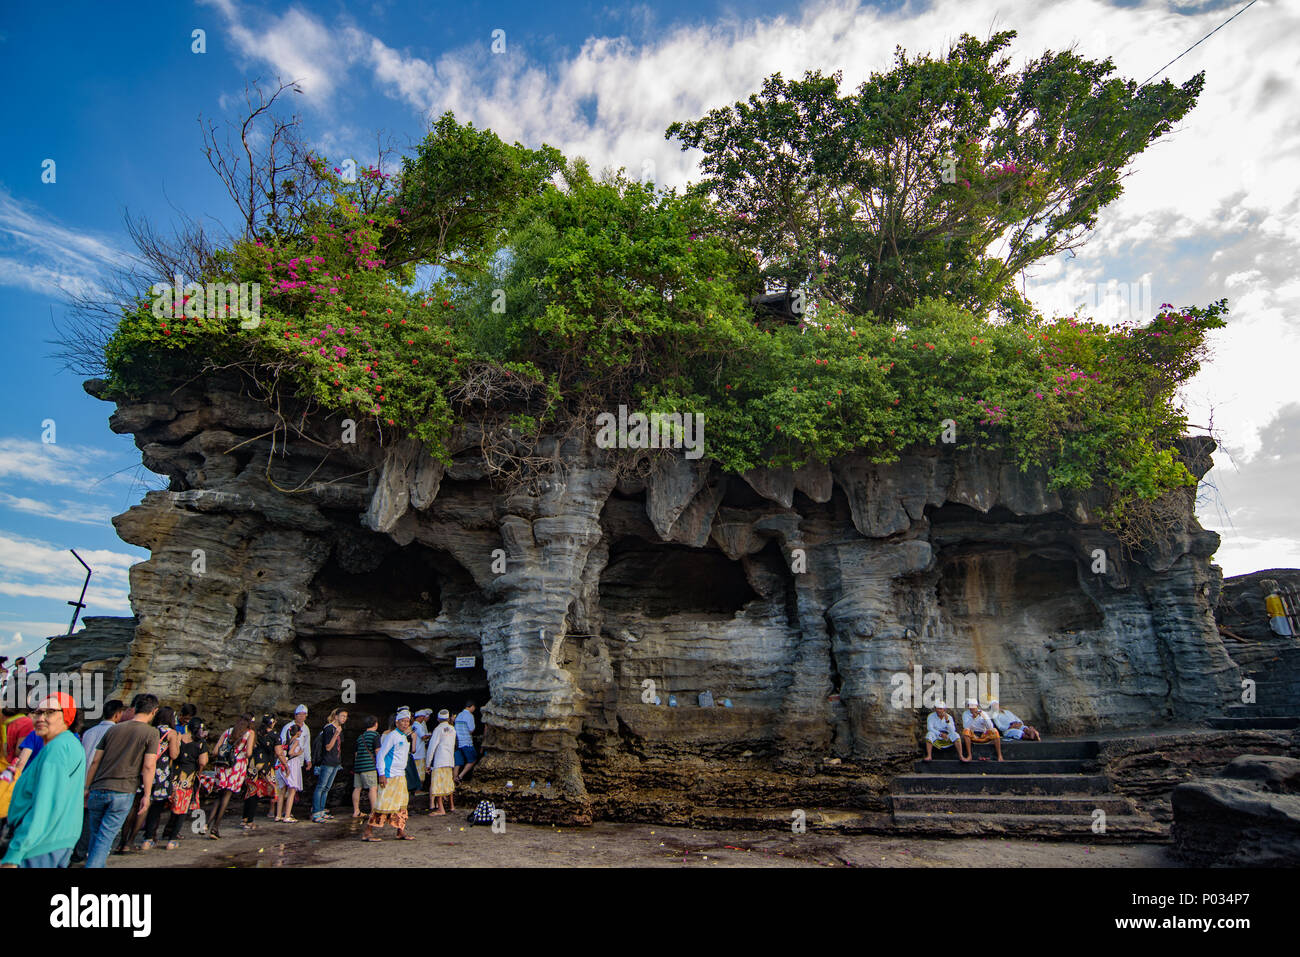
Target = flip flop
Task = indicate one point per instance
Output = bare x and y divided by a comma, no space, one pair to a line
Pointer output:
373,840
406,837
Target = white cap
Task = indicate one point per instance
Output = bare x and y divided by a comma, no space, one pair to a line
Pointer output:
940,705
444,715
424,712
972,703
301,709
404,713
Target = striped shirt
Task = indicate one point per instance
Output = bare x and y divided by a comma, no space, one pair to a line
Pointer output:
365,753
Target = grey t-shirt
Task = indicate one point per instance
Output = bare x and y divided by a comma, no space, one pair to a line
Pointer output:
122,751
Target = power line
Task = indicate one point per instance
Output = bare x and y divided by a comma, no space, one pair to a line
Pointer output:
1198,43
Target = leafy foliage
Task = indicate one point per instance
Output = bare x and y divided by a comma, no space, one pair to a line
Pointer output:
554,301
846,195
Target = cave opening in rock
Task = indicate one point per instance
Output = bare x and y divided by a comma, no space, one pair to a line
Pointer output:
374,636
658,579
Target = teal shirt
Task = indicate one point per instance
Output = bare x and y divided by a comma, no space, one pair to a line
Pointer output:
46,809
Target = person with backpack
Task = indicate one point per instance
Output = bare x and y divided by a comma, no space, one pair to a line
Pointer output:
288,773
328,758
261,772
155,802
234,750
189,761
390,763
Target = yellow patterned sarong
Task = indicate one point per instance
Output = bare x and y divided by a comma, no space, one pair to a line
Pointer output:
442,783
391,807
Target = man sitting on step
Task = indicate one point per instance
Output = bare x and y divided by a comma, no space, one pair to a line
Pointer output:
978,728
941,732
1009,726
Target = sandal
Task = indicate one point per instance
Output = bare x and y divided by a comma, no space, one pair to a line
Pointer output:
147,846
172,845
213,835
372,840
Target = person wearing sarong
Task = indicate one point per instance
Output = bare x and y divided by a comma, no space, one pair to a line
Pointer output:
978,728
390,763
1010,726
190,760
419,739
288,773
441,755
230,777
1275,608
261,773
158,798
941,732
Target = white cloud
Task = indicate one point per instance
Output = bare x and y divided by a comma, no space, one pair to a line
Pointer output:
24,557
51,463
62,511
54,258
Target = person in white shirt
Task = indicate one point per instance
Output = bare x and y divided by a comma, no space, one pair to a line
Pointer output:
978,728
300,719
941,732
419,737
1009,726
390,762
442,758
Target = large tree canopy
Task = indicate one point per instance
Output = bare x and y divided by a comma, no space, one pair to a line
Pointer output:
558,296
943,177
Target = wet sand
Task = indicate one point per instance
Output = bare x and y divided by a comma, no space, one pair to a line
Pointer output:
450,842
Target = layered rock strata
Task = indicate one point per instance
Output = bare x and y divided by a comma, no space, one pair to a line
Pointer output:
287,565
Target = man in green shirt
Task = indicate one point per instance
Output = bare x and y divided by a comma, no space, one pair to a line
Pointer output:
46,809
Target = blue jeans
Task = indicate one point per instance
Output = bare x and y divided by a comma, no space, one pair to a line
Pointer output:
325,774
52,859
107,811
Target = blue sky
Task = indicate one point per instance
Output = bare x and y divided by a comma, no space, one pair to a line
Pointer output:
112,94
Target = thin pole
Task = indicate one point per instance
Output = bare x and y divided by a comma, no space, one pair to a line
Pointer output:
80,603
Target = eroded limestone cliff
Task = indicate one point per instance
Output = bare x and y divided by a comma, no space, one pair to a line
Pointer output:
285,565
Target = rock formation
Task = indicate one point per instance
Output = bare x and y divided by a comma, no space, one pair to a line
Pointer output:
288,566
1248,817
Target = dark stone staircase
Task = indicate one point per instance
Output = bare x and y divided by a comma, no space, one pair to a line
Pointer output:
1049,789
1276,672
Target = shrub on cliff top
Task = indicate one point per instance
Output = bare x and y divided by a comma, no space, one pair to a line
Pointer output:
551,302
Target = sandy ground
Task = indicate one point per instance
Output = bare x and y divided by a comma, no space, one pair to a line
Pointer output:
450,842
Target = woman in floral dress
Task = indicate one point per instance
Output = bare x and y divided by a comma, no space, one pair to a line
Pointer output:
169,746
233,751
261,772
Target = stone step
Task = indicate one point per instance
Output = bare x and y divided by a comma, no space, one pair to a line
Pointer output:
1061,827
1001,784
1254,724
1283,710
1009,766
1035,750
1083,805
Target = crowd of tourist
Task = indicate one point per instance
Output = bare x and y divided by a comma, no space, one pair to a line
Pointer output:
74,794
